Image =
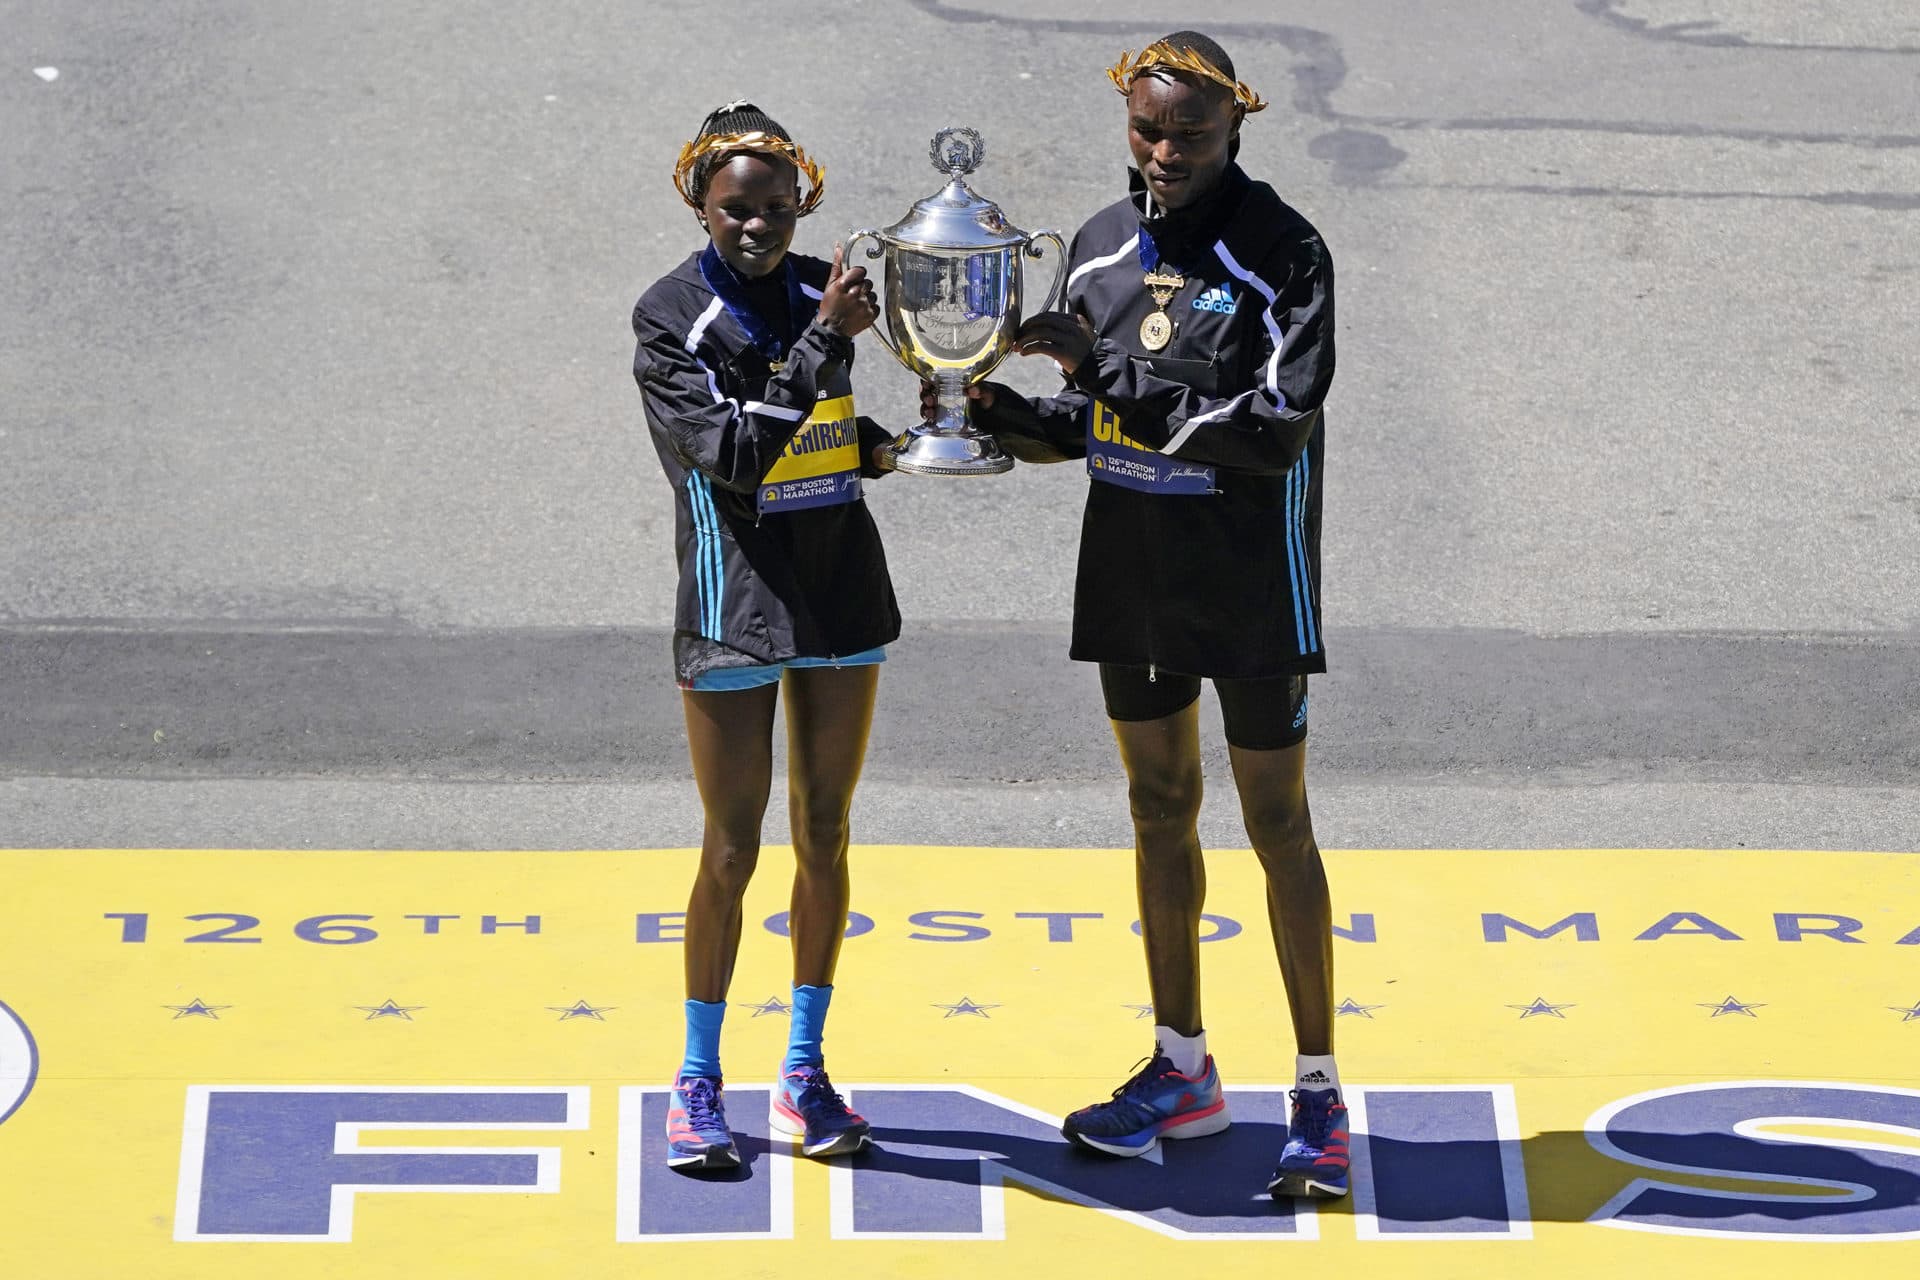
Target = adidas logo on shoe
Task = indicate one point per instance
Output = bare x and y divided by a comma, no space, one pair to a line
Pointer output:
1316,1077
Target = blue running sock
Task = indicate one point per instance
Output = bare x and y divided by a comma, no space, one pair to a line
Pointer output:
703,1038
809,1025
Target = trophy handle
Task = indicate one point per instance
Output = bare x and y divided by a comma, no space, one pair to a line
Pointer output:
1058,292
881,328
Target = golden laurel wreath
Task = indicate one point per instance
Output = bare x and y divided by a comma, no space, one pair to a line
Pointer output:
761,143
1162,54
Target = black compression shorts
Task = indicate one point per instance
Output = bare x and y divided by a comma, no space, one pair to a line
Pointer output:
1261,715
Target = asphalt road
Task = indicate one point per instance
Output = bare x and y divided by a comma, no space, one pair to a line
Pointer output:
327,516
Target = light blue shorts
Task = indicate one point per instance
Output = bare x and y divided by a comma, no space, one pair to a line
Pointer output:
730,678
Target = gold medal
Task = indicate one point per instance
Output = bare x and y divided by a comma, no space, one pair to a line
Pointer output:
1156,331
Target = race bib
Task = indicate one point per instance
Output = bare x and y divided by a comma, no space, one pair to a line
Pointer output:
1116,458
821,466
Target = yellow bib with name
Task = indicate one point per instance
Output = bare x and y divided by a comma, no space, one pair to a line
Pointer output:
821,465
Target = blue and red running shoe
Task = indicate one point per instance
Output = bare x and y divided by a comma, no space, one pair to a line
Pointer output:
1157,1103
1314,1161
806,1106
697,1133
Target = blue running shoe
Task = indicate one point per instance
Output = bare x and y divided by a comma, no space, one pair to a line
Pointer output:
697,1133
806,1106
1157,1103
1314,1161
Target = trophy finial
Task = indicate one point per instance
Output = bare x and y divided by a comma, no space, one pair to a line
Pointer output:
957,151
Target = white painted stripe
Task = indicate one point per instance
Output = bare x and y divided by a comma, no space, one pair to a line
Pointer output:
1125,249
19,1061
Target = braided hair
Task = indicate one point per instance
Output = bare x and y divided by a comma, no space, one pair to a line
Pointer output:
735,117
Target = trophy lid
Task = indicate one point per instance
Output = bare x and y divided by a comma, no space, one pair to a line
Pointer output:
956,217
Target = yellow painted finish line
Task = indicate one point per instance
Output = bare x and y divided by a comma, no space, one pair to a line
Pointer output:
435,1064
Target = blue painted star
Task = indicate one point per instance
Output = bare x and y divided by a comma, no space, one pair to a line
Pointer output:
1139,1010
772,1004
1730,1005
389,1010
1349,1008
966,1008
198,1009
579,1009
1540,1009
1908,1015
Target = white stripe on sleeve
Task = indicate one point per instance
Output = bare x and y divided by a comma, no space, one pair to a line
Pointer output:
1198,419
1107,261
699,329
1281,341
766,410
760,407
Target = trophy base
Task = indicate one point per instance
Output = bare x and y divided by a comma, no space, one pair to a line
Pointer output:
948,454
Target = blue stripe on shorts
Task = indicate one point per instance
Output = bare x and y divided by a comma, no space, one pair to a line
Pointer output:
731,678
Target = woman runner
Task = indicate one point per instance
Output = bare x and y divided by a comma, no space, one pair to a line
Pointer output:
743,361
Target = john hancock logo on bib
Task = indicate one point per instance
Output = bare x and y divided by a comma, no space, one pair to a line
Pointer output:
1117,458
821,466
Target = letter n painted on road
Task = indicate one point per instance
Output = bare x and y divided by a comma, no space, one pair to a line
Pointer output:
943,1155
1437,1162
1858,1180
284,1162
658,1204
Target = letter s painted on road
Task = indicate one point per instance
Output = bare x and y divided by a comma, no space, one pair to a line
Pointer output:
1734,1130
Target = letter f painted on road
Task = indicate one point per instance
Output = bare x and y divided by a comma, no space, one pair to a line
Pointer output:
285,1162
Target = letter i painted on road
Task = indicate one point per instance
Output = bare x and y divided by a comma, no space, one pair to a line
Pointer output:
658,1204
1437,1162
265,1162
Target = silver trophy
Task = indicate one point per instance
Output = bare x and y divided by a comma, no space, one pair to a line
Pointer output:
953,287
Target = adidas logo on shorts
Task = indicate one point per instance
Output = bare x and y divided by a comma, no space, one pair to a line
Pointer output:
1300,716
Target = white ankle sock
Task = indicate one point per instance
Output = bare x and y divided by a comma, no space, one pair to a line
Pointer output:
1315,1071
1187,1053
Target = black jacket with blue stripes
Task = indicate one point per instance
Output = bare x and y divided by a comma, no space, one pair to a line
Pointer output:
1200,547
769,569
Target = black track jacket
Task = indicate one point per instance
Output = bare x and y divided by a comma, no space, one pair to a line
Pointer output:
778,555
1200,549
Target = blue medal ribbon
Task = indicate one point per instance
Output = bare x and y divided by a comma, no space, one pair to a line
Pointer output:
1149,251
1150,254
726,286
